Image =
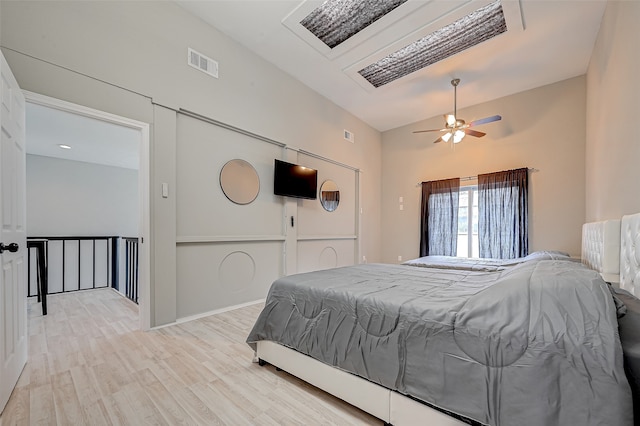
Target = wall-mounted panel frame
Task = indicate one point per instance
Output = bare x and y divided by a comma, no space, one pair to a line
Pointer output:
221,274
203,209
229,254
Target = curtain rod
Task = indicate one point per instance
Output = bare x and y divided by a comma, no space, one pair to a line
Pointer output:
466,178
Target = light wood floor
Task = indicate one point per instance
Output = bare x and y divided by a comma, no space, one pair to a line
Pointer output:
89,365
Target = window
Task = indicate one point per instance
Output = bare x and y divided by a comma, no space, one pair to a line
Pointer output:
468,245
489,220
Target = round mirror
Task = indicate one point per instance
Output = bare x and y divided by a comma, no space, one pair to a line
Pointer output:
239,181
329,195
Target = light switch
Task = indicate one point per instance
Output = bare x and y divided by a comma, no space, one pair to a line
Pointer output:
401,200
165,190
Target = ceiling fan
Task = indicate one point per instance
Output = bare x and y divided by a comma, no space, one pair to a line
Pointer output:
456,129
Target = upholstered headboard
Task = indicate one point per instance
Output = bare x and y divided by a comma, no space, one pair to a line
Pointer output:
601,248
630,254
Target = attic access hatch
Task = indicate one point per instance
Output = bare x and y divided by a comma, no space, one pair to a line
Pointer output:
462,34
334,22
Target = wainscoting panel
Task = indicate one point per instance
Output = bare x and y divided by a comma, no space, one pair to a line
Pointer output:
328,239
217,275
229,254
313,219
202,208
314,255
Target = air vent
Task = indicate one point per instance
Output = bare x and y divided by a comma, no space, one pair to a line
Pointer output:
202,63
349,136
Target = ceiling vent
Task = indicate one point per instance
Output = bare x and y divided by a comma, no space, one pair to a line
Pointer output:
349,136
199,61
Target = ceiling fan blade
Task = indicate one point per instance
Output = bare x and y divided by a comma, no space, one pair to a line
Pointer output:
438,140
485,120
430,130
474,133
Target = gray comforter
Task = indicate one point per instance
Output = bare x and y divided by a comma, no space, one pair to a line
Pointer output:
475,264
533,344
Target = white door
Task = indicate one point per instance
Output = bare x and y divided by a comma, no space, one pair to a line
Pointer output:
13,285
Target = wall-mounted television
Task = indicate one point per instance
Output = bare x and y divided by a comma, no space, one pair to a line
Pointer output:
292,180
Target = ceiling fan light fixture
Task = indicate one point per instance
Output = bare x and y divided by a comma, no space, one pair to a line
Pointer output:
457,128
451,120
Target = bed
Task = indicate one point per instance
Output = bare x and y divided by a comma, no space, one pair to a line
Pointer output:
532,341
475,264
601,248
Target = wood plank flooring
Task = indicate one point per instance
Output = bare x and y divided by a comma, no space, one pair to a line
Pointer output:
90,365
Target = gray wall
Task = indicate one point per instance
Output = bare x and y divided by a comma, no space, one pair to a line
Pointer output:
613,108
542,128
72,198
129,59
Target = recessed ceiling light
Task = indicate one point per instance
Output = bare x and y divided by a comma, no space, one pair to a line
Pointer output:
481,25
334,21
63,146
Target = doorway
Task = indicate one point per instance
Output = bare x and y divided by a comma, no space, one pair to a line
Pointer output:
132,129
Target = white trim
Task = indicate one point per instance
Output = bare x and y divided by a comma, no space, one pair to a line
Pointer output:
218,123
326,237
38,99
187,239
208,314
328,160
261,138
144,265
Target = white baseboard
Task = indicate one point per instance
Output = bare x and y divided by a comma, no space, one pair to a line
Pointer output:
209,313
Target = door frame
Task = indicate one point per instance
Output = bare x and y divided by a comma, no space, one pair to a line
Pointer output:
144,224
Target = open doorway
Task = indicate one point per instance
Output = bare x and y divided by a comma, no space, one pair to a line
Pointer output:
100,147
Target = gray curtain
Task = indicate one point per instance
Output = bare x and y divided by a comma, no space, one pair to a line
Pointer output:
439,217
503,214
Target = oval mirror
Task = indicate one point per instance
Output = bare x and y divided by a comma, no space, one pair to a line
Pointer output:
329,195
239,181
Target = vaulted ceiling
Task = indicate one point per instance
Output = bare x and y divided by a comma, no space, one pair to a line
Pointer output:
545,41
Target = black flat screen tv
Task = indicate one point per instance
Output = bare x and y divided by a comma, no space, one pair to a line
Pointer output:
292,180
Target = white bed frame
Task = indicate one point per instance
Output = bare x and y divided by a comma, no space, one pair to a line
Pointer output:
607,247
601,248
387,405
629,257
